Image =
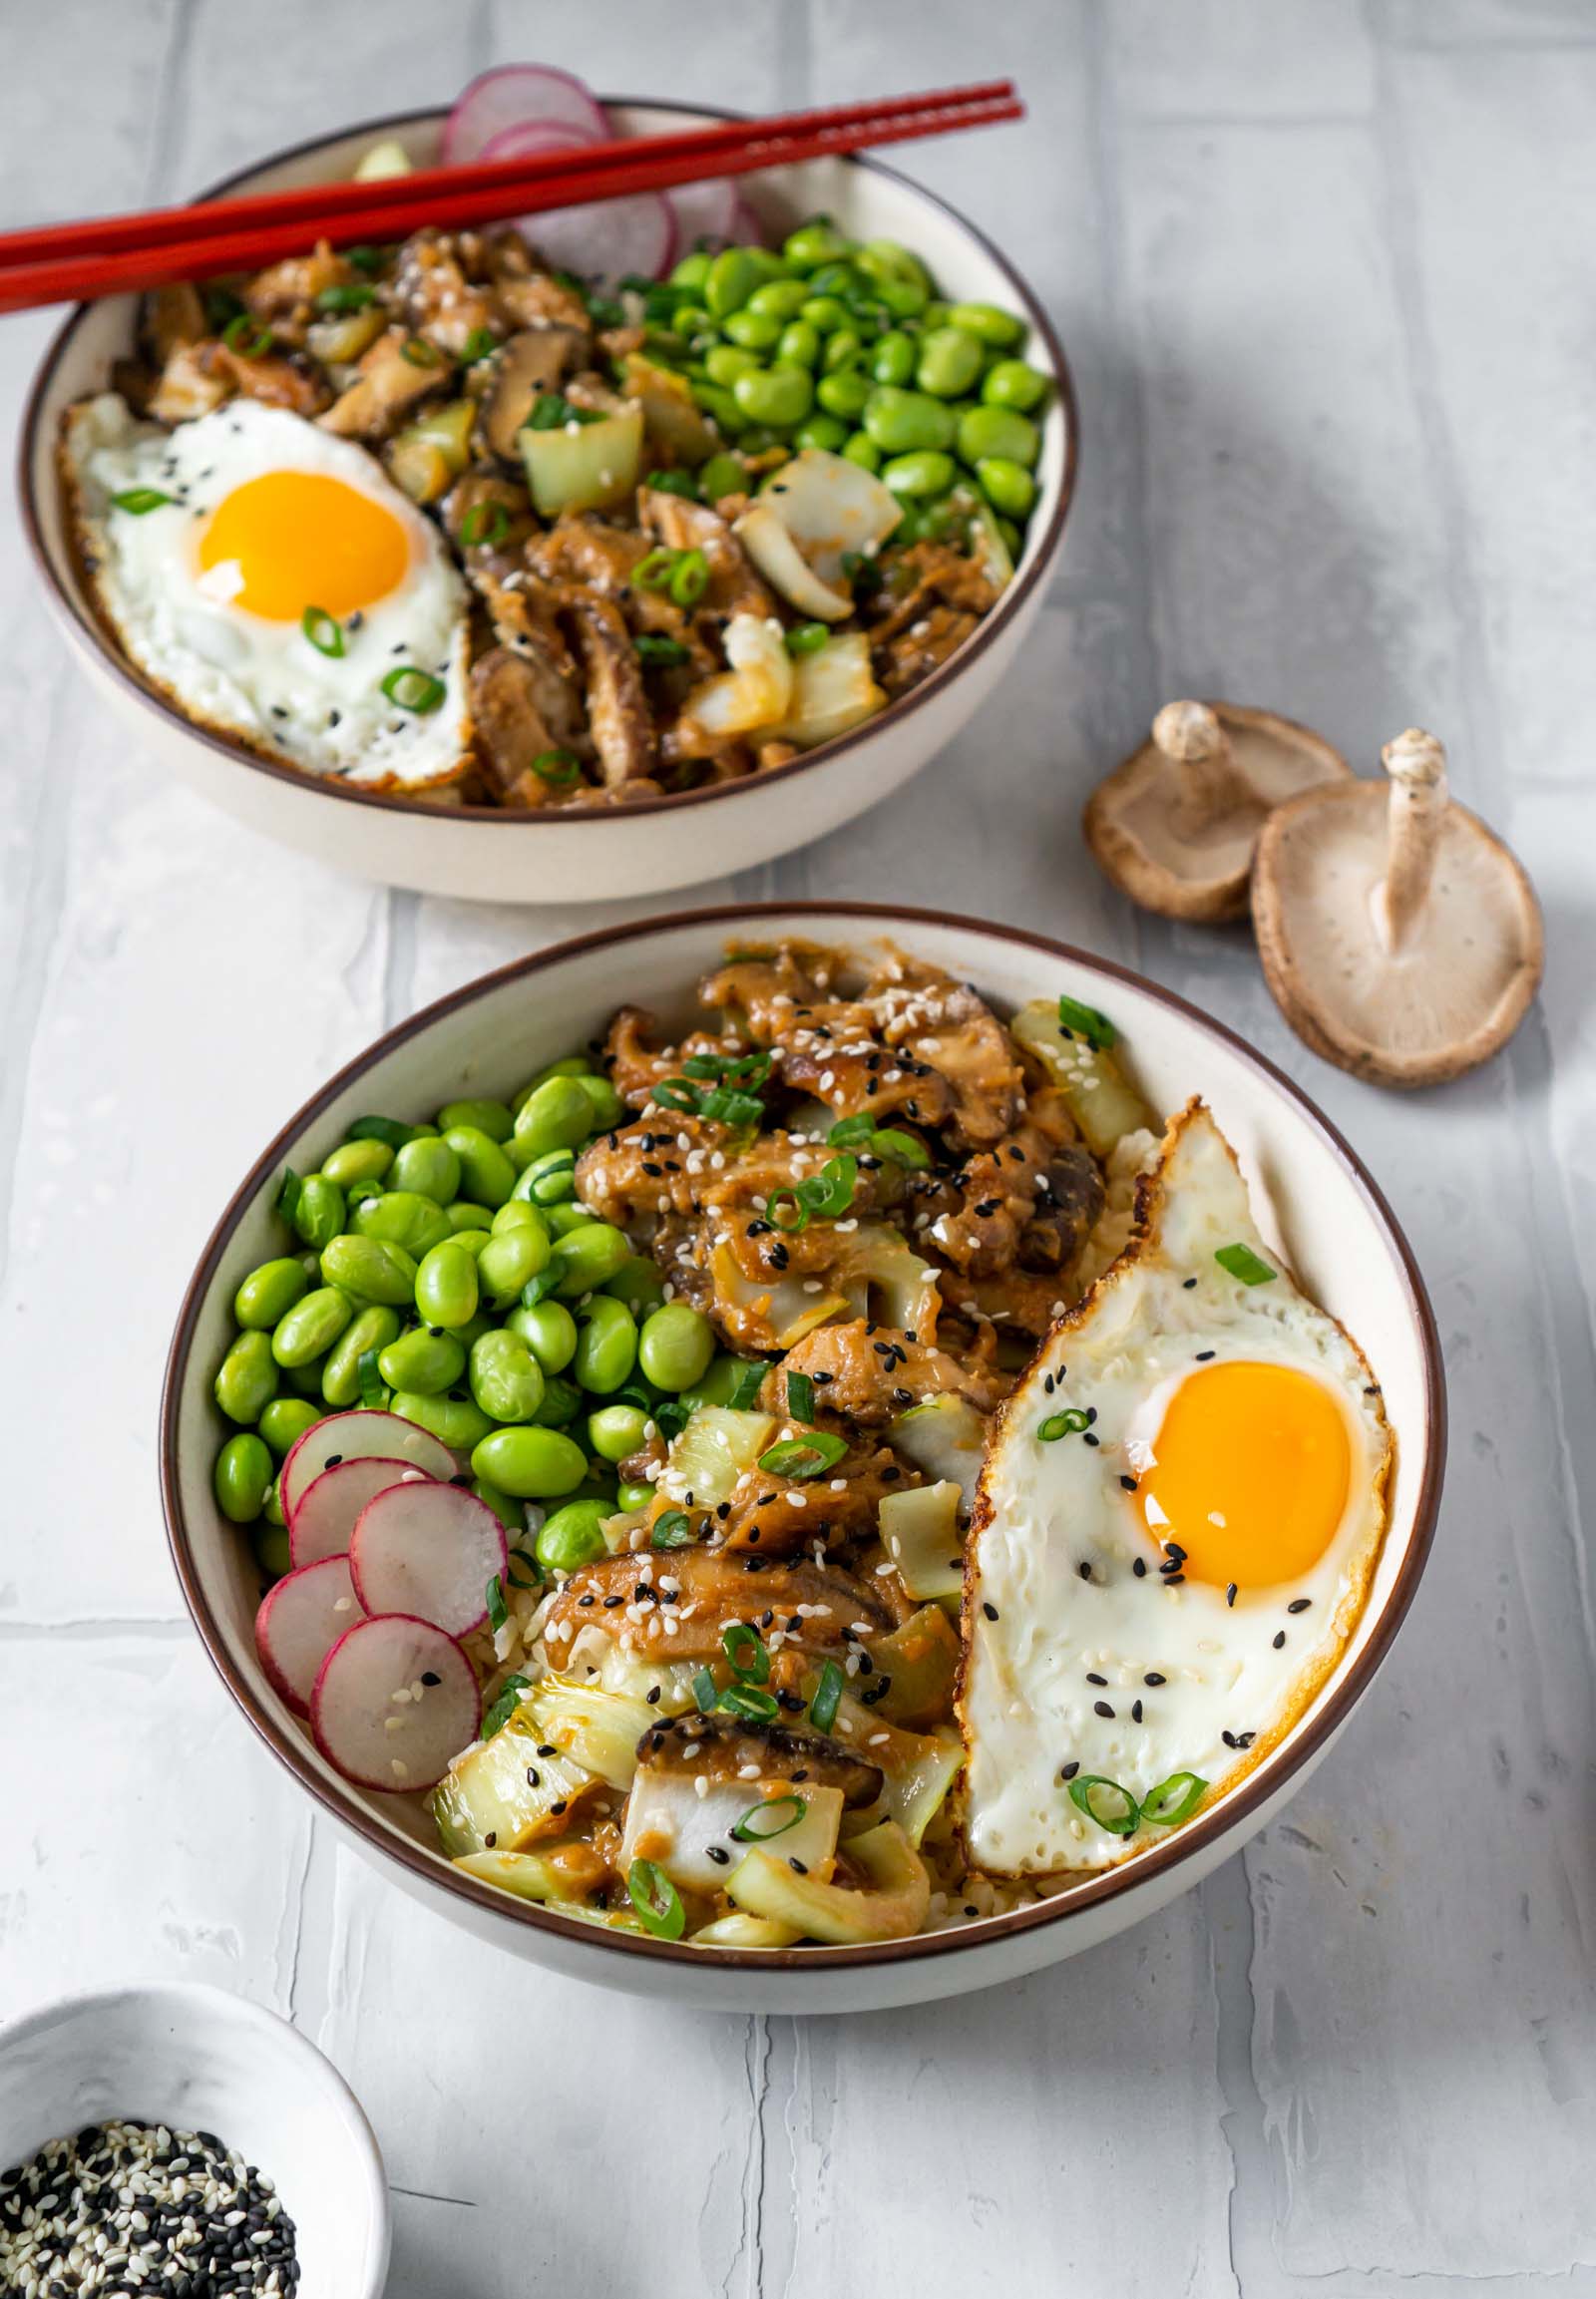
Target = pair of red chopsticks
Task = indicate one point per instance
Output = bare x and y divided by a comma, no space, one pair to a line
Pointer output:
58,263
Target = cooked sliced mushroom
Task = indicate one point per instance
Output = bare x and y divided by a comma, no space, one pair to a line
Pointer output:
1400,939
721,1746
397,371
619,717
538,359
1175,824
511,729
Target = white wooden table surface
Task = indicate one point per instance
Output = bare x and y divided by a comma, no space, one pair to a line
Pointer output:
1324,273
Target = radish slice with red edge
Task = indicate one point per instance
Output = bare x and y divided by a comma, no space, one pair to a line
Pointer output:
355,1436
299,1621
430,1550
327,1511
630,237
395,1700
533,137
703,212
512,96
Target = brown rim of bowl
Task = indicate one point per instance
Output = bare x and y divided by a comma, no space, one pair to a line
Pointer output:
1329,1713
822,754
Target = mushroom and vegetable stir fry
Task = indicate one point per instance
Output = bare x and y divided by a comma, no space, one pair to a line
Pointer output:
626,1433
434,518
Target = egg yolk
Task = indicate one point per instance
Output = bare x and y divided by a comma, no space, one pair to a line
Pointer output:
1251,1467
301,539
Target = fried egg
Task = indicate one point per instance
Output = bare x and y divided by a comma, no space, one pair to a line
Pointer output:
269,579
1179,1513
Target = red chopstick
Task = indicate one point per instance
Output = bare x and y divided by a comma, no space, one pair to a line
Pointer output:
119,253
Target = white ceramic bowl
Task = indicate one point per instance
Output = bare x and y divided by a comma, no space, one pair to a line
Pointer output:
492,854
1329,1219
198,2060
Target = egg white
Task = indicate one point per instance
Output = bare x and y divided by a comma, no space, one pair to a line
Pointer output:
1053,1594
238,672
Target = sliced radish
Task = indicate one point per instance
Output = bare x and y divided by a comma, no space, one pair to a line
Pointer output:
324,1516
509,97
395,1700
299,1621
530,137
703,212
608,238
359,1436
429,1549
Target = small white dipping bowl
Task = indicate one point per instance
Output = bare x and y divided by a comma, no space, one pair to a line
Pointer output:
198,2060
1324,1211
589,854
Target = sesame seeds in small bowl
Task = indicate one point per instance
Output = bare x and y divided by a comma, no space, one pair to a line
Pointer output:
179,2143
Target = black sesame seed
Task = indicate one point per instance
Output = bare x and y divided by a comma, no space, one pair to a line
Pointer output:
1136,1712
1101,1709
534,1777
990,1611
1068,1771
1092,1678
1230,1740
1299,1603
1084,1570
719,1854
1279,1638
1153,1678
797,1866
1128,1483
1230,1595
1187,1284
1139,1567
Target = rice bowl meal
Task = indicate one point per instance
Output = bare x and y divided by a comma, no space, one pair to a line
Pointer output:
641,508
825,1470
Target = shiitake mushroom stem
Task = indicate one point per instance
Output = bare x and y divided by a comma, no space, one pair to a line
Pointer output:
1212,783
1416,764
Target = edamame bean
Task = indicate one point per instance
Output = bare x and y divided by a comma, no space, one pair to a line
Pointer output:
615,1431
242,1478
270,1544
357,1161
373,1268
779,396
825,314
530,1464
373,1329
638,1284
862,449
608,1108
315,1324
718,403
812,243
246,1380
404,1218
720,1383
562,1219
463,1215
304,1381
562,1403
1012,383
730,281
569,1065
988,430
635,1494
506,1261
272,1515
902,422
904,299
426,1360
446,1286
510,1514
839,278
843,349
893,360
506,1378
549,1331
489,1118
486,1174
949,361
516,1214
923,472
269,1293
588,1256
844,394
753,330
989,322
799,345
675,1347
285,1421
559,1116
883,259
572,1536
1007,486
454,1422
721,475
823,431
778,298
692,271
470,1241
318,1210
429,1168
724,363
606,1345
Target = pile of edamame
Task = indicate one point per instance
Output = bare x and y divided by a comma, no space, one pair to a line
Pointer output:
447,1273
846,346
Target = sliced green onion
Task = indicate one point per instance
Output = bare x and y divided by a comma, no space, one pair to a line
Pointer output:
551,410
787,1210
535,1288
674,483
345,298
744,1647
823,1708
730,1069
892,1142
484,523
559,768
729,1108
752,1705
689,578
673,1416
367,259
1122,1822
705,1691
504,1704
793,1804
391,1130
674,1093
290,1191
671,1531
324,632
1241,1262
746,1393
800,1397
1086,1022
498,1610
1173,1800
830,1192
481,343
656,1900
808,639
420,352
654,570
138,500
799,1458
414,689
245,334
652,648
373,1388
1067,1424
531,1580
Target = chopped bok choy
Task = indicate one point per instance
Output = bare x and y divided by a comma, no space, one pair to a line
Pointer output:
923,1538
891,1907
